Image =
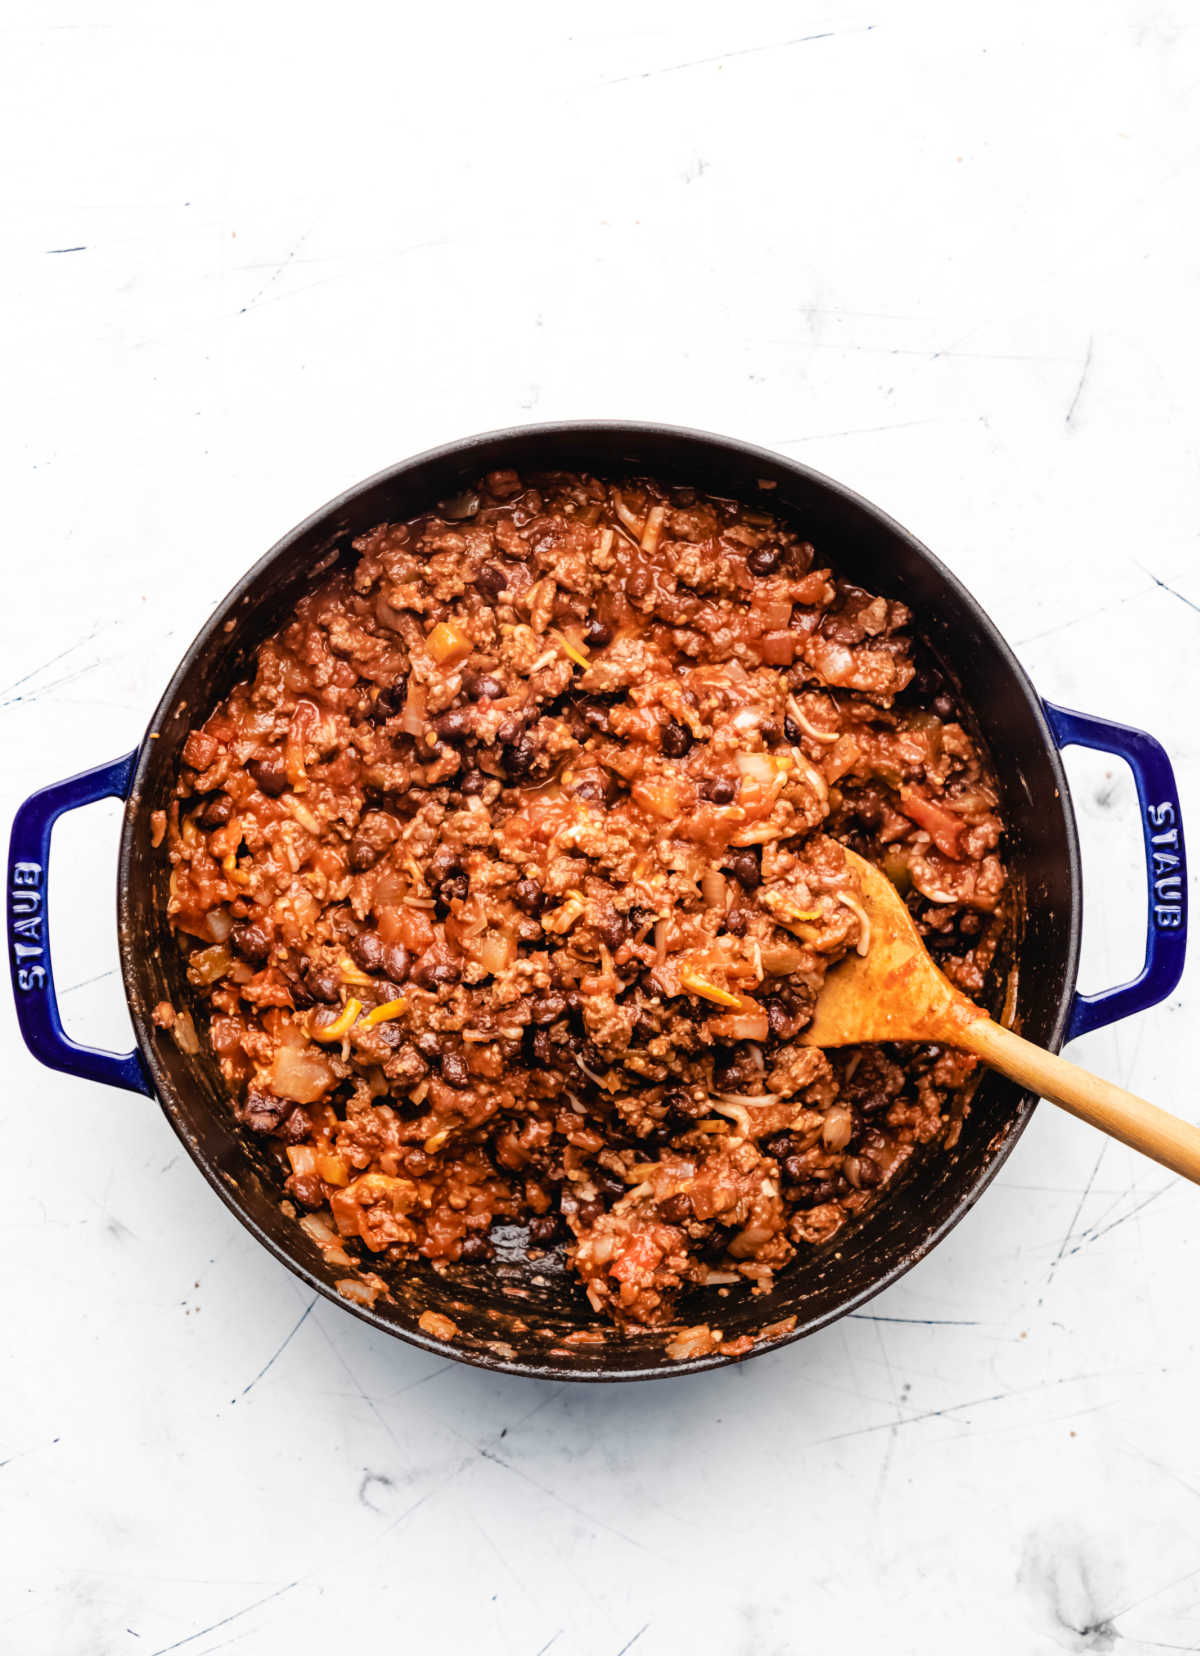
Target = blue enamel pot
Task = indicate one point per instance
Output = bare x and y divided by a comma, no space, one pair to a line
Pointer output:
513,1315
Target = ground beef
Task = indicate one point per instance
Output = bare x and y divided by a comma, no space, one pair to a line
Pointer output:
511,876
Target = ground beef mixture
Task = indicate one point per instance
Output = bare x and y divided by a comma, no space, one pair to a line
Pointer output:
512,874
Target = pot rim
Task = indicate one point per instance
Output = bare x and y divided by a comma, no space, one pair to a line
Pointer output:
226,611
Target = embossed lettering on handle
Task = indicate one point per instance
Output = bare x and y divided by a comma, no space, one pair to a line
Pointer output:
28,928
1166,866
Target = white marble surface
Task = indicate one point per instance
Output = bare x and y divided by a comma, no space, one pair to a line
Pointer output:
947,254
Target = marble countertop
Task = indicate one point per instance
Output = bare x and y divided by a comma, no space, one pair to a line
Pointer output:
951,260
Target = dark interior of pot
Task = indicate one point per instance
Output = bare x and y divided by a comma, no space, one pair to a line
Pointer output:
532,1317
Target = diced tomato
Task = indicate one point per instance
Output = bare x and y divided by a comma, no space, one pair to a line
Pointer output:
942,826
638,1259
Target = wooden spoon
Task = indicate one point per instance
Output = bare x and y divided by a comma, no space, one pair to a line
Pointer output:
894,992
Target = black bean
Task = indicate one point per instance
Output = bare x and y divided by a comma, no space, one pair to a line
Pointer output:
873,1103
483,687
780,1022
608,1184
719,789
444,861
453,887
386,1035
676,1209
475,1250
270,774
453,727
362,854
597,634
429,1046
588,1213
590,789
736,921
869,1173
519,759
529,897
296,1127
764,560
216,811
543,1228
613,929
682,1110
792,730
593,712
455,1072
783,1144
431,973
542,1048
812,1195
675,739
794,1169
368,951
491,580
262,1111
321,982
943,706
547,1008
473,782
746,871
389,701
252,942
396,962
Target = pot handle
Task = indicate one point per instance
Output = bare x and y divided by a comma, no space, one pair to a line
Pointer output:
1166,866
28,928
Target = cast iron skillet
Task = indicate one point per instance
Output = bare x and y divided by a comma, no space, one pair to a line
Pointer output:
514,1315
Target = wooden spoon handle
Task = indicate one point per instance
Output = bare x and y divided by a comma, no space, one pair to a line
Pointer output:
1123,1115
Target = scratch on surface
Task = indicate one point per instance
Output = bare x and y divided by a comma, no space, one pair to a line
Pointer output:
854,431
271,1361
1087,363
51,250
1087,1190
423,1381
1089,1236
275,275
632,1641
724,57
225,1620
84,982
548,1643
507,1466
1188,601
920,1322
953,1408
34,671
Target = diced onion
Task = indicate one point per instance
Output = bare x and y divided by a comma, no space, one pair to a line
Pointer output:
361,1293
301,1075
497,951
412,721
712,884
220,923
760,766
838,1127
653,528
